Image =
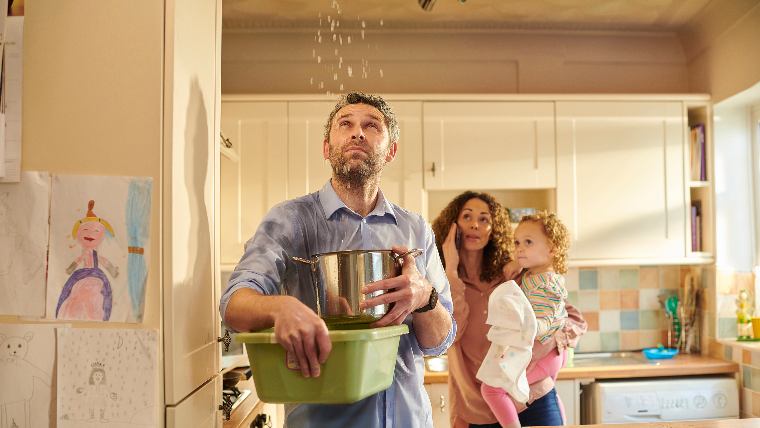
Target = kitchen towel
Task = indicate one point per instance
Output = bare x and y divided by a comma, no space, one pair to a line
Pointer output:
513,329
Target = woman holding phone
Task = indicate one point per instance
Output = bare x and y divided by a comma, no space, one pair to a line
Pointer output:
474,237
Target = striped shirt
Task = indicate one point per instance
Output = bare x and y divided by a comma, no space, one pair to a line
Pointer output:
547,294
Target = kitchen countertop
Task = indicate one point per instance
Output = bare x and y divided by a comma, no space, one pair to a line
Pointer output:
723,423
681,365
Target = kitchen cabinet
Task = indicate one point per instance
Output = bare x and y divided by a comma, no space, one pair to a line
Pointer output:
620,179
569,392
258,180
439,401
489,145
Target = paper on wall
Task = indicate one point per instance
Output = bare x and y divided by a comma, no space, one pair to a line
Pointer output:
99,241
24,211
11,97
27,358
107,378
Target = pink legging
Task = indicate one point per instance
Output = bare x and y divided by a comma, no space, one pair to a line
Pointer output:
501,403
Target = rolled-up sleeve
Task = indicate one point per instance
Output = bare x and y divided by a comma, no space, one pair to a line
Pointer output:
436,275
263,263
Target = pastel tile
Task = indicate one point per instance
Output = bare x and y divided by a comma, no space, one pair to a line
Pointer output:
629,279
726,305
629,320
737,355
609,321
610,341
746,402
629,299
609,299
648,298
572,297
755,397
755,376
572,279
746,357
589,342
609,278
755,361
588,301
629,340
592,318
650,338
649,277
669,277
588,280
649,319
726,328
725,281
746,377
728,353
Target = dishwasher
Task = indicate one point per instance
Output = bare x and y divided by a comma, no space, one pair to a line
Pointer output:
660,400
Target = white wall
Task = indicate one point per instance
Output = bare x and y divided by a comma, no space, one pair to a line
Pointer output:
734,226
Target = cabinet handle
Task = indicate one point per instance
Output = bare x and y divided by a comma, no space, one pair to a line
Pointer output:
443,404
226,339
432,169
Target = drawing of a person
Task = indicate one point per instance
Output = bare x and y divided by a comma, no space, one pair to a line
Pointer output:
87,293
96,392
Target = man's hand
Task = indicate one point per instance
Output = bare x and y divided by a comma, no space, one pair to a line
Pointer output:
304,334
407,292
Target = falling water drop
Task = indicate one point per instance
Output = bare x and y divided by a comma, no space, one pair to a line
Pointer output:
319,40
362,34
332,26
335,76
341,86
335,36
364,24
313,53
319,59
321,85
381,22
336,52
311,80
340,38
350,71
349,39
329,18
381,72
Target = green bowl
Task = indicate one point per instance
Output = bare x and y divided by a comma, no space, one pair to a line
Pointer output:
360,364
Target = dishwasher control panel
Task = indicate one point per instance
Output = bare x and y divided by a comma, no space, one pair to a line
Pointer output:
662,399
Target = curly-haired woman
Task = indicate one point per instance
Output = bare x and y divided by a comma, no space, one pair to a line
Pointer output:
474,236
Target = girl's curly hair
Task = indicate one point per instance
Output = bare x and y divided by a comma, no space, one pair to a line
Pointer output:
498,251
558,236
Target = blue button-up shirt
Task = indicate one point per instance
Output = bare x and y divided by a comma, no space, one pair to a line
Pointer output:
320,223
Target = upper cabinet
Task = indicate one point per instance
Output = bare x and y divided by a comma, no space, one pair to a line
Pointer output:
489,145
620,179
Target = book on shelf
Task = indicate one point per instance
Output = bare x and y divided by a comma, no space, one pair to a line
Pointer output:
696,226
697,151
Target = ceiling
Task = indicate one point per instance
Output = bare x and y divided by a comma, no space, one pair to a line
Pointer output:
595,15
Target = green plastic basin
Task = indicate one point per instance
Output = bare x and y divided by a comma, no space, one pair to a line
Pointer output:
361,363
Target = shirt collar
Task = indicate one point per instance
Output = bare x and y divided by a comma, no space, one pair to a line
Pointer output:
331,203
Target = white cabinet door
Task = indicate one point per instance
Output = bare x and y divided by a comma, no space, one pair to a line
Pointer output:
308,171
569,392
489,145
620,179
258,180
200,409
439,401
189,177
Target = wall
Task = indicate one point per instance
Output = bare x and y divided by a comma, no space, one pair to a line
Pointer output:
721,48
460,61
79,118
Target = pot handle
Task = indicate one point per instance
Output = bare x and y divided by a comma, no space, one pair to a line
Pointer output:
311,263
413,252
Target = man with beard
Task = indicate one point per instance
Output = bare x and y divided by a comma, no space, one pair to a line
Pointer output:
350,212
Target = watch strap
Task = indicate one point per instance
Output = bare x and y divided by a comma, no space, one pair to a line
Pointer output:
431,302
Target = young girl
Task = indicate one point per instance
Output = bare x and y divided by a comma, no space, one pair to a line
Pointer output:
541,243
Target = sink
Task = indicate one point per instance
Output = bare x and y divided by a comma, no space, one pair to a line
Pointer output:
437,364
593,359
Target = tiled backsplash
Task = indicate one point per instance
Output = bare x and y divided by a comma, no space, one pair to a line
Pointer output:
621,305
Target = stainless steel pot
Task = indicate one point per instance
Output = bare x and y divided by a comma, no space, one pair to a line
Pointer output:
338,279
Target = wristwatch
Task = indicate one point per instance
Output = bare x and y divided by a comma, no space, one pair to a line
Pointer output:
431,303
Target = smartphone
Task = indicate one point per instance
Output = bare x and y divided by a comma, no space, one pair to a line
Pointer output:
458,238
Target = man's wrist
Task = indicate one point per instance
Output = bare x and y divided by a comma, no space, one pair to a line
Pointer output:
431,303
